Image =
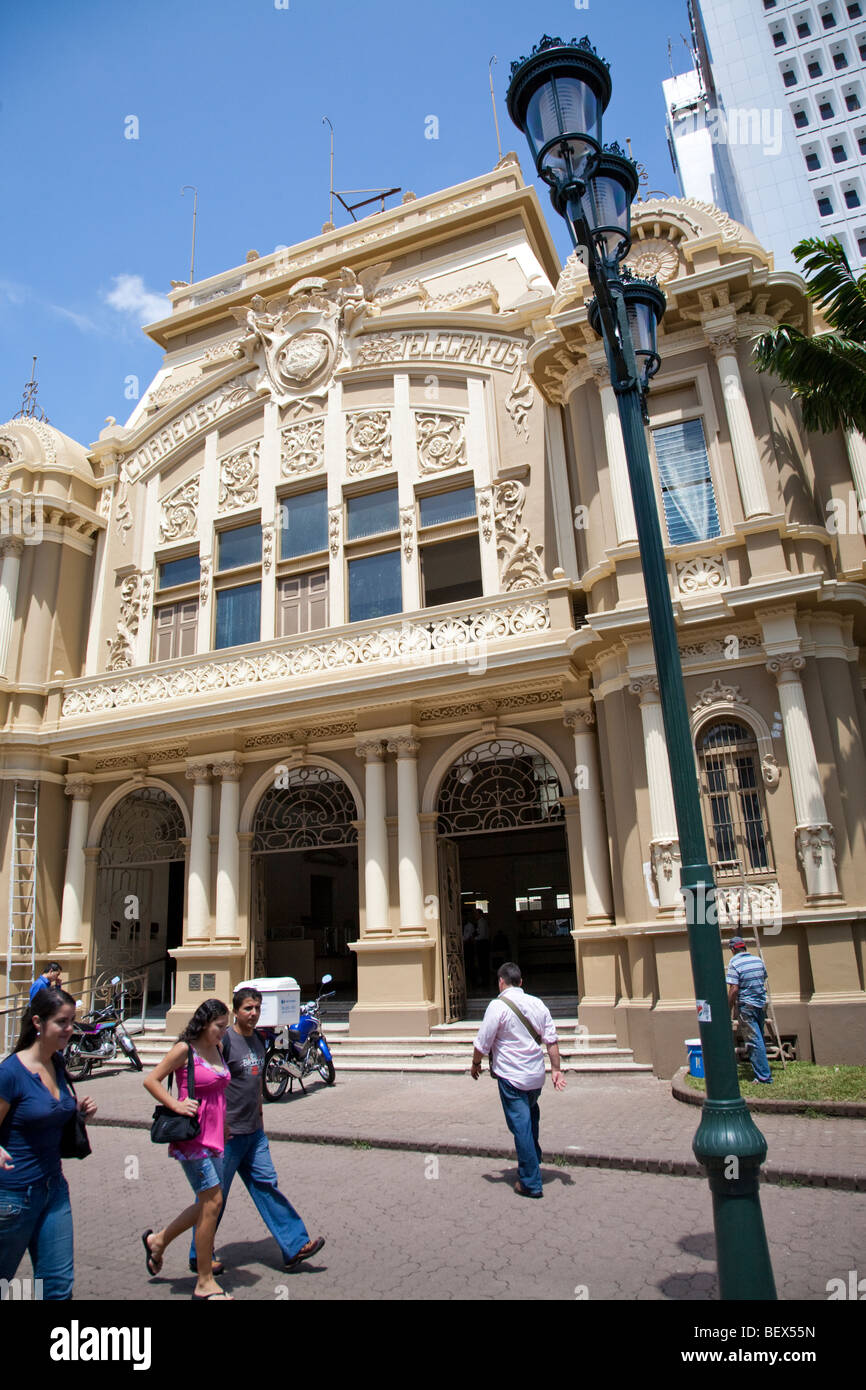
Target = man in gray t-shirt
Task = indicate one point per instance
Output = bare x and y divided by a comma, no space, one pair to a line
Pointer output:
247,1151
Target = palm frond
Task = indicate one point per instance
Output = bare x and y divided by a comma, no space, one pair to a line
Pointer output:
832,286
827,374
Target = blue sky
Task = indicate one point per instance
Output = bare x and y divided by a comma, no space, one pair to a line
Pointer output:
229,95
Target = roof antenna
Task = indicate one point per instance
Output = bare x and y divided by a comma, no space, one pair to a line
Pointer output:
194,211
325,121
493,60
29,409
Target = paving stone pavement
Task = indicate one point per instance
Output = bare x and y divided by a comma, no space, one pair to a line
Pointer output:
620,1121
402,1225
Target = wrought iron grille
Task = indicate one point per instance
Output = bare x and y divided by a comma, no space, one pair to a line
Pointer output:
315,808
146,827
500,785
732,796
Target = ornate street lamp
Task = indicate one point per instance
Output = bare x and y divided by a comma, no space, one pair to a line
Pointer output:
557,97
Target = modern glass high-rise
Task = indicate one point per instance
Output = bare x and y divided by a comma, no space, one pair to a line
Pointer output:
771,122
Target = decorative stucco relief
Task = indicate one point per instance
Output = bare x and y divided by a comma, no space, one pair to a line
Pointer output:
519,561
121,647
335,521
368,441
407,531
654,257
302,448
123,515
702,574
718,693
519,401
303,336
239,479
416,642
204,580
180,511
484,497
441,441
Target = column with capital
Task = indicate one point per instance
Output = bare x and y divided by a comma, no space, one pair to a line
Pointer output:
80,788
815,840
11,548
593,832
620,487
664,844
228,850
747,460
198,890
376,882
409,836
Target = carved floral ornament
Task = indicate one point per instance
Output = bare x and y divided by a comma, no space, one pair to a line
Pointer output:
441,441
368,441
121,647
239,479
302,447
519,401
180,511
519,561
410,642
654,256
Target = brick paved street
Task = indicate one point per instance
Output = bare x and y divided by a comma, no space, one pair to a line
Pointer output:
619,1119
394,1233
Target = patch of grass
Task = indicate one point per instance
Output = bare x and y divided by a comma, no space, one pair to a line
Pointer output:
800,1081
361,1144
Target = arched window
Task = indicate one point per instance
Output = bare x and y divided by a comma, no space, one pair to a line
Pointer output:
732,796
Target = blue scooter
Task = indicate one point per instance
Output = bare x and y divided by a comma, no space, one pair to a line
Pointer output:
296,1052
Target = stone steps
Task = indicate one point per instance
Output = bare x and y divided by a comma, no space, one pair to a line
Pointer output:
447,1049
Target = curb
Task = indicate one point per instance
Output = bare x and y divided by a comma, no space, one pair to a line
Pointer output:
664,1167
844,1109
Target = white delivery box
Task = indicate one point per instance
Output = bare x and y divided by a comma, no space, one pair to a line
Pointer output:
281,1000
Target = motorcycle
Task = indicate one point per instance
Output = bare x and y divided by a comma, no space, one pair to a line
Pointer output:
298,1051
96,1038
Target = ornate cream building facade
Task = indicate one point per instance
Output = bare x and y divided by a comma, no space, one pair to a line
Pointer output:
344,632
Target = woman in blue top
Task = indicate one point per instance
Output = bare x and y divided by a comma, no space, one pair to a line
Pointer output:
35,1103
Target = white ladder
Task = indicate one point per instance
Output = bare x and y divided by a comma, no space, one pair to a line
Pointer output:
21,951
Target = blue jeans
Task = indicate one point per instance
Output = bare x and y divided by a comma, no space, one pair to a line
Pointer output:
521,1116
250,1156
38,1218
752,1019
203,1173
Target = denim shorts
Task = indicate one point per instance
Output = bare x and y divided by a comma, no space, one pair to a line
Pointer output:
203,1173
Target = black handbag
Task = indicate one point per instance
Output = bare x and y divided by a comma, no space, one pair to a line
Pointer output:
170,1128
74,1142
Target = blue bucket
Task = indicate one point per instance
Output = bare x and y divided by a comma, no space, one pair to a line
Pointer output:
696,1056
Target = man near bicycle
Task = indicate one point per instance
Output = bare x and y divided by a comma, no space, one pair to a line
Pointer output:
247,1151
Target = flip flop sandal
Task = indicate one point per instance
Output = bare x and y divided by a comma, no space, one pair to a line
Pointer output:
150,1259
220,1297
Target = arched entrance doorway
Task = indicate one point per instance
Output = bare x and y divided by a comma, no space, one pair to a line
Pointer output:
305,878
505,887
140,888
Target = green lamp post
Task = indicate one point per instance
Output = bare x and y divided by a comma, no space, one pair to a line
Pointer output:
557,97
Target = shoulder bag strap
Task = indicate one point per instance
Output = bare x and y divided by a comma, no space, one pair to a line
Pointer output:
534,1034
190,1073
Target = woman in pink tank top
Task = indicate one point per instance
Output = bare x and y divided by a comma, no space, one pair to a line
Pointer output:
200,1158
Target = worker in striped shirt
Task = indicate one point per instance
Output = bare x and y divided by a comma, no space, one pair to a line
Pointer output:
747,993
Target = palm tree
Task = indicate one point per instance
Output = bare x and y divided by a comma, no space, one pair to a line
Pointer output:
826,373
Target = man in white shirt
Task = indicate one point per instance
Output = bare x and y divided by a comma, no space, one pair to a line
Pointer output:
512,1032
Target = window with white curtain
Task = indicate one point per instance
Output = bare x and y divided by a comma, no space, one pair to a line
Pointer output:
686,483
